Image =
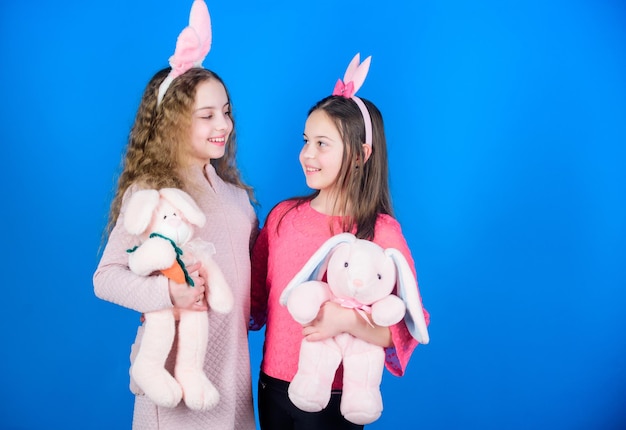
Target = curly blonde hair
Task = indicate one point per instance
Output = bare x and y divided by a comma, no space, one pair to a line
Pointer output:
153,153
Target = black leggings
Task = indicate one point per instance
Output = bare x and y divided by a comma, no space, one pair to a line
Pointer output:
276,412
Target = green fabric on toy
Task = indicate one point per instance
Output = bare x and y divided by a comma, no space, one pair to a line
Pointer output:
164,221
360,275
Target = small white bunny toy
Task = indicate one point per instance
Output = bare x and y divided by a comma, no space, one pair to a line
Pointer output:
360,275
164,222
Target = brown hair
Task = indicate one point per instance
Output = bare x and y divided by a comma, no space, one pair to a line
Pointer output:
153,153
363,187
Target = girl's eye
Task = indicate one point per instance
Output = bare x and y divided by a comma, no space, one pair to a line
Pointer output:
320,143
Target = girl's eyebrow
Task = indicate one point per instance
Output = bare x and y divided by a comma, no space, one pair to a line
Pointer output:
318,137
212,107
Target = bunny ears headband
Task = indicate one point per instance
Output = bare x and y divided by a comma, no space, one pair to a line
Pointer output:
192,46
352,80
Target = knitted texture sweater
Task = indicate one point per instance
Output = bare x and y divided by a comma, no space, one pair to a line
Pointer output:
231,226
278,255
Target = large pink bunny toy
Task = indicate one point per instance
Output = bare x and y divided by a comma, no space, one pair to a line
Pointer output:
360,275
164,222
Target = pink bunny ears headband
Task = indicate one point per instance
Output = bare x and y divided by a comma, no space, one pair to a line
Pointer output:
352,80
192,46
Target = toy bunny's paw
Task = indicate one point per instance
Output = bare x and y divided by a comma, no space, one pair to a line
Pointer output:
361,417
388,311
202,397
305,301
307,394
305,404
199,393
361,406
221,300
158,385
154,254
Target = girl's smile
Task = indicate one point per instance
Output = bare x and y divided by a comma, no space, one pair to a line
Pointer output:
219,141
309,169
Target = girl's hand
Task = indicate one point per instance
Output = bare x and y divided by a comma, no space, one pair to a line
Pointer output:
332,319
190,298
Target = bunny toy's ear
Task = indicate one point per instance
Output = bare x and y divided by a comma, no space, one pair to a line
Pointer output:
409,293
315,267
185,204
139,209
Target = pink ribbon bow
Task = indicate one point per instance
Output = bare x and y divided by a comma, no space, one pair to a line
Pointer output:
352,303
352,80
343,89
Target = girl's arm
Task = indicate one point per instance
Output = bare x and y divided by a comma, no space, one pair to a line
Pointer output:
114,282
259,292
334,319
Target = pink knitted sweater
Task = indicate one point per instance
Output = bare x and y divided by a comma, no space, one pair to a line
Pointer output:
276,258
231,226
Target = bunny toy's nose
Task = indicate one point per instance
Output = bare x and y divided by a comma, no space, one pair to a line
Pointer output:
357,283
174,221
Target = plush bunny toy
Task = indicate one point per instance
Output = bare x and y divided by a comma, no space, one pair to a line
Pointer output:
361,275
163,220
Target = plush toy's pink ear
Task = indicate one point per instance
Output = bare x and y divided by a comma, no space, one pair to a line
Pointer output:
316,265
185,204
139,209
409,293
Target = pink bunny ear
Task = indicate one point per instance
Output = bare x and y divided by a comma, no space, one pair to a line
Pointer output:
356,73
200,21
186,53
352,80
354,63
192,46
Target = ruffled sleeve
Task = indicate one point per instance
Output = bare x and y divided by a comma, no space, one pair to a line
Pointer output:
389,235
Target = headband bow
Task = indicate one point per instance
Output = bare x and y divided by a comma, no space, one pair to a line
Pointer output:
352,80
192,46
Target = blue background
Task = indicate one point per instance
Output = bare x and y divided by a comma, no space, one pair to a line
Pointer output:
506,124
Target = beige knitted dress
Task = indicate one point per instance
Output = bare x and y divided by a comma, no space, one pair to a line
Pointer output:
231,226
